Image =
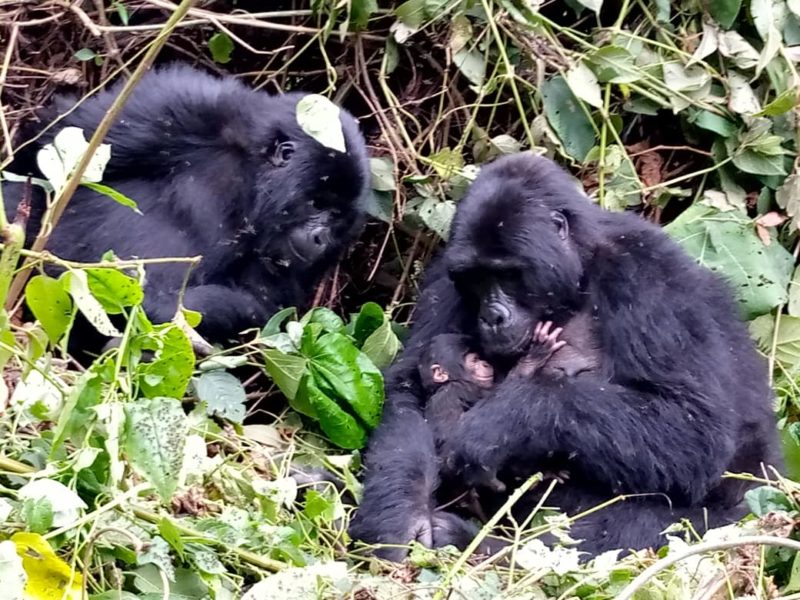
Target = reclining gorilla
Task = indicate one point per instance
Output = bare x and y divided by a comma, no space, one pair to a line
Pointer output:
217,170
678,395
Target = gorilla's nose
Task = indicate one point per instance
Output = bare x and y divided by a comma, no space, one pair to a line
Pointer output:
496,315
319,237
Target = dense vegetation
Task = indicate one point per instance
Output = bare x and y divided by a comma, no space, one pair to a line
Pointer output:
169,479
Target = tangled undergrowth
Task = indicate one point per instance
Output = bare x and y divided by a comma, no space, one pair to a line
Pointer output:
171,479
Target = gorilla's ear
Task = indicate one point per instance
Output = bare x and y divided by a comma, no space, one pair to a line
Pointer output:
438,374
562,225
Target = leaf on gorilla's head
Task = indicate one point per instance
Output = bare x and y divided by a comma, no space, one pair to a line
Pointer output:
319,118
726,243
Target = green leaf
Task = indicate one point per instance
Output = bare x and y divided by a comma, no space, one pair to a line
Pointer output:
169,372
766,499
437,215
712,122
780,105
37,514
411,13
114,290
340,427
763,156
286,371
726,243
155,434
329,320
380,205
221,47
472,65
50,304
273,326
76,282
156,552
382,346
787,340
614,64
342,368
593,5
447,162
382,169
85,54
223,394
567,118
583,83
368,320
360,12
724,12
118,197
319,118
122,11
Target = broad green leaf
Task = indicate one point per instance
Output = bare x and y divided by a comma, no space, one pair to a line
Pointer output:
221,47
723,12
382,169
319,118
726,243
76,413
114,290
341,427
759,157
286,371
116,196
472,65
368,320
157,553
614,64
583,83
76,282
360,12
447,162
37,514
223,394
155,434
49,577
85,54
766,499
712,122
328,319
169,372
64,504
787,340
782,104
50,304
411,13
273,326
342,368
380,206
382,346
567,118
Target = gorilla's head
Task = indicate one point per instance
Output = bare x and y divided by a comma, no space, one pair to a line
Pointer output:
517,249
316,192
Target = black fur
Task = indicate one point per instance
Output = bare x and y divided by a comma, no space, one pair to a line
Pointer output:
679,396
208,163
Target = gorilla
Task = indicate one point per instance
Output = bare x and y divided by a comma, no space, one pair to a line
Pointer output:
217,170
677,395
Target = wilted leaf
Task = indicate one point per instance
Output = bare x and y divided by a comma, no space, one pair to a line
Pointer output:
726,243
155,434
583,83
742,99
708,43
567,118
460,33
223,394
319,118
50,304
48,576
221,47
732,45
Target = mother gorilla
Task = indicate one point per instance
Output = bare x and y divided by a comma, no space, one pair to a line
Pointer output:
680,396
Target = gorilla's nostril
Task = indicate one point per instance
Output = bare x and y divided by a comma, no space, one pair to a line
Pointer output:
318,236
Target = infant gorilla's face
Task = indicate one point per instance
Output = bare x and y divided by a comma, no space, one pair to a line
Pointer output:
480,371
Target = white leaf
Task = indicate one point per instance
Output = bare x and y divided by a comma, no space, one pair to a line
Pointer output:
111,420
66,504
57,160
732,45
742,100
583,83
12,574
593,5
319,118
85,457
708,43
37,396
536,556
78,286
794,7
281,491
299,583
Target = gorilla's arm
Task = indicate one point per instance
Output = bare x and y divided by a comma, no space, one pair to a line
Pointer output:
628,440
402,470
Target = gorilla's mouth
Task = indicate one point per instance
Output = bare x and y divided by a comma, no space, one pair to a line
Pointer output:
506,345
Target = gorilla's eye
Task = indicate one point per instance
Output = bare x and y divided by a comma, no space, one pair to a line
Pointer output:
283,152
561,224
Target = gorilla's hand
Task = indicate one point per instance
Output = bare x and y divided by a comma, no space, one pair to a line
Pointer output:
465,457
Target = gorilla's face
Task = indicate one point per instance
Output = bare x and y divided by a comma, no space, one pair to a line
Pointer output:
317,192
512,254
